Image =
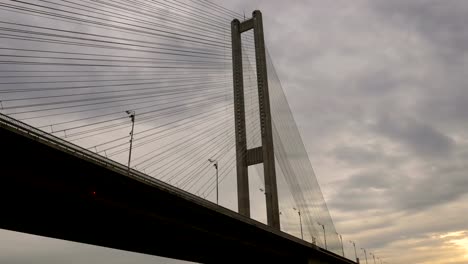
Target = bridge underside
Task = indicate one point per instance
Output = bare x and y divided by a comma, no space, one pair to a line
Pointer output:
49,192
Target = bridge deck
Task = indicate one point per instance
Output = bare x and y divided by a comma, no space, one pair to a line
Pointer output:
53,188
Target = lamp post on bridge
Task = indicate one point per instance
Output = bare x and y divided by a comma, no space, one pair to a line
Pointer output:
365,253
131,114
355,253
373,256
324,234
341,239
300,221
215,164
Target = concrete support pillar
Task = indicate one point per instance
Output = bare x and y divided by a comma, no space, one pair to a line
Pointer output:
243,199
265,153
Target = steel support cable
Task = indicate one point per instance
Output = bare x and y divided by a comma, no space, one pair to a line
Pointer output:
99,55
169,89
148,61
191,14
228,11
228,167
170,131
222,19
189,138
196,180
183,181
109,73
88,16
42,40
160,44
167,14
141,22
160,79
202,26
152,31
307,183
252,112
301,165
158,138
95,99
169,11
108,40
182,87
299,197
166,10
184,105
198,174
151,151
164,98
98,63
132,32
115,127
196,10
157,73
102,71
203,22
107,114
297,193
163,80
148,141
256,135
213,143
190,177
30,63
168,154
95,103
150,129
208,190
107,45
198,137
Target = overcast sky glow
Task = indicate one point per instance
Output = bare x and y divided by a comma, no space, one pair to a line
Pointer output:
379,91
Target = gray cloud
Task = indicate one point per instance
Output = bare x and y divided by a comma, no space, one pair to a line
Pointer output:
442,23
419,137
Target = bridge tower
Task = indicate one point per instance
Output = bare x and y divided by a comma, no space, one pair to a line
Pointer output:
264,154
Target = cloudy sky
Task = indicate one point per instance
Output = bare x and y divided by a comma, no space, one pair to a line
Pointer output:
379,92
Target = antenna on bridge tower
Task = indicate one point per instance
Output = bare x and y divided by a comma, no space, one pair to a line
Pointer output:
264,154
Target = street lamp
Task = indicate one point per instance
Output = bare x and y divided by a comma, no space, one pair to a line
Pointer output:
215,164
324,234
373,256
300,221
131,114
341,239
355,253
365,253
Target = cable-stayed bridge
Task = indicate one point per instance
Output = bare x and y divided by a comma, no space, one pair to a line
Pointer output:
120,127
